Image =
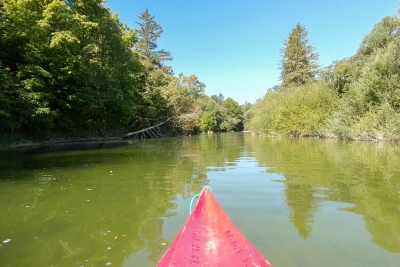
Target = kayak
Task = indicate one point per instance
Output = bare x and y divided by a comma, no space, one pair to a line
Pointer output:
209,238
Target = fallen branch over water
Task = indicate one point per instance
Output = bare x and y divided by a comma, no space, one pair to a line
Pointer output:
152,131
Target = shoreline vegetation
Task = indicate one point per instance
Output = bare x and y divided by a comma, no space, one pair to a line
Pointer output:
71,71
26,144
356,98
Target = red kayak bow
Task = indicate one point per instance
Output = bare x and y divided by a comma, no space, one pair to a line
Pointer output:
209,238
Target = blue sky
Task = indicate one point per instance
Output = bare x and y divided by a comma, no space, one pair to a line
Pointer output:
234,46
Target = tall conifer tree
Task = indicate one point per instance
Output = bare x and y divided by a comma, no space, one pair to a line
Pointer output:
299,61
148,34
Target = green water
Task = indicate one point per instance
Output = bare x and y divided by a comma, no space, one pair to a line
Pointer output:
301,202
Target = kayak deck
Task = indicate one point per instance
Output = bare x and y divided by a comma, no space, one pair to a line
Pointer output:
209,238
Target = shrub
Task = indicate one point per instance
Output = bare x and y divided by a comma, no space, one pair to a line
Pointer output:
371,107
298,111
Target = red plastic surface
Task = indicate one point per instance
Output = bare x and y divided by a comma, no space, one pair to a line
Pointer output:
209,238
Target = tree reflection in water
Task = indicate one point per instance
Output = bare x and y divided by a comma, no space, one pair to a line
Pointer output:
366,175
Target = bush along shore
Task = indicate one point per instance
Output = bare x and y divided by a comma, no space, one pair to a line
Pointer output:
355,98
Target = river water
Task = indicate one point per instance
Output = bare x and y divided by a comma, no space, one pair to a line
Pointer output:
301,202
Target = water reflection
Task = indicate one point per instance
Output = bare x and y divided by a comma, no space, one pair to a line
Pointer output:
92,207
302,204
366,175
102,205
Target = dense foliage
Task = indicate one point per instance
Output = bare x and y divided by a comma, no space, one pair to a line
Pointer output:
353,98
68,67
71,68
295,111
220,114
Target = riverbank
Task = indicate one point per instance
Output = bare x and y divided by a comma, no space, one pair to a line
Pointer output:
14,142
55,141
60,141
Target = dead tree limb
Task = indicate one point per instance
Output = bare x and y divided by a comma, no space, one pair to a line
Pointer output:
147,130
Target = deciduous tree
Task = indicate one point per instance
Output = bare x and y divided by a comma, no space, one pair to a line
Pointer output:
232,116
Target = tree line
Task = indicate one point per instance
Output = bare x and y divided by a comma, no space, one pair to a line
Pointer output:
72,68
354,98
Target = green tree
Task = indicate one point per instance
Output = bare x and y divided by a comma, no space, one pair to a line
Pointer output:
10,100
370,107
26,98
232,116
90,58
299,61
156,77
182,95
211,116
72,64
383,33
148,34
342,73
219,99
209,121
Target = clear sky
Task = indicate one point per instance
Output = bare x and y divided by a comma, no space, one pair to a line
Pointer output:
233,46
